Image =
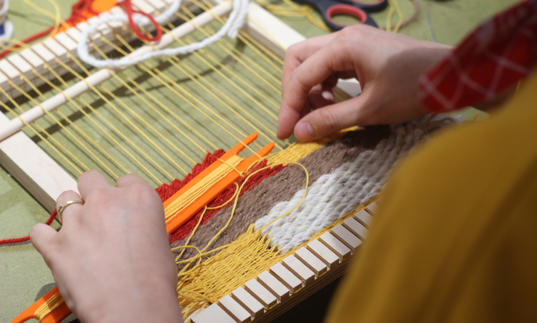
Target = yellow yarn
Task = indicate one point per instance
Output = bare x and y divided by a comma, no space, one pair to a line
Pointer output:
188,197
241,260
203,252
47,307
235,263
394,8
293,153
186,246
56,15
291,9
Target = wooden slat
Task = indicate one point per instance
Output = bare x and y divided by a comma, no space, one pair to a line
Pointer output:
33,168
317,265
346,236
233,308
260,292
273,285
372,208
364,217
323,252
56,49
299,268
21,64
335,245
286,276
355,227
212,313
248,301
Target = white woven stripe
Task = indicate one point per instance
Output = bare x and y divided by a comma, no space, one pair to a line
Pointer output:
333,195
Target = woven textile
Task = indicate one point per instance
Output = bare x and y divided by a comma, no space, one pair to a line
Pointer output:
488,62
334,194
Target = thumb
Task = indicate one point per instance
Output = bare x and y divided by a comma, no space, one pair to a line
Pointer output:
330,119
41,236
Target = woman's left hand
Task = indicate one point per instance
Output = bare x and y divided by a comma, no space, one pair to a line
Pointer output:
111,258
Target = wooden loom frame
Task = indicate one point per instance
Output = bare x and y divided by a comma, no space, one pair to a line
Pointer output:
45,179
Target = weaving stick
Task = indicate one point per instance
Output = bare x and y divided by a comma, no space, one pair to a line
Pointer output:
173,222
264,23
105,74
176,220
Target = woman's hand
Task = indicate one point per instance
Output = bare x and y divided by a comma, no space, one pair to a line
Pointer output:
388,67
111,258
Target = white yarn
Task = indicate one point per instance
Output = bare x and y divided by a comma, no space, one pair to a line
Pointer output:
335,194
8,26
236,19
8,31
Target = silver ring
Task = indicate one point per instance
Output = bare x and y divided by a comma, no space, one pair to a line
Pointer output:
62,208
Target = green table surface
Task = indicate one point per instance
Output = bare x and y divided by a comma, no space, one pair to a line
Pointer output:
23,274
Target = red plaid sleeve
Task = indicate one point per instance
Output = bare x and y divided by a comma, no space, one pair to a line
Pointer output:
491,60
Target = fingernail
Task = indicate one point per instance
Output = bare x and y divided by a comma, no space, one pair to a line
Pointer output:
303,130
327,95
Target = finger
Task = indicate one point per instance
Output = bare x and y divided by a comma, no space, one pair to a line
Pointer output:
294,56
130,179
70,210
320,99
41,235
330,119
297,53
315,70
91,181
332,80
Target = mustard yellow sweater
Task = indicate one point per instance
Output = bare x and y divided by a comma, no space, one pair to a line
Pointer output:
455,237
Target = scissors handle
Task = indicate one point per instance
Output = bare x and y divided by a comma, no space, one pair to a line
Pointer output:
370,7
353,8
345,10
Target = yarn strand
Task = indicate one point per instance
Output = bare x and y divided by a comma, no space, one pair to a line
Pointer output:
236,19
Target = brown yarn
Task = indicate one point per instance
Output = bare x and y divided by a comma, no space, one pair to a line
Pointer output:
258,201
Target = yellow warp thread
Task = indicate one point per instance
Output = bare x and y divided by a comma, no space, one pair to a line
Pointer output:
232,265
292,154
241,260
48,306
290,9
397,9
188,197
185,246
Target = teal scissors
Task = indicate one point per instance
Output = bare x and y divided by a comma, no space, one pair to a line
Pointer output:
353,8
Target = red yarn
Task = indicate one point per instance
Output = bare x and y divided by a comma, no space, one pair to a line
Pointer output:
165,191
26,238
79,13
127,6
225,196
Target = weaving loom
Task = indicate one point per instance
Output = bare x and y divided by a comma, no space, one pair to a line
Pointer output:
162,117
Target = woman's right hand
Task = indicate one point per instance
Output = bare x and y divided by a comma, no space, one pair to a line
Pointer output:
388,67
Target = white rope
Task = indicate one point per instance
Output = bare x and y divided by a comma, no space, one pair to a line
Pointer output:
236,19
